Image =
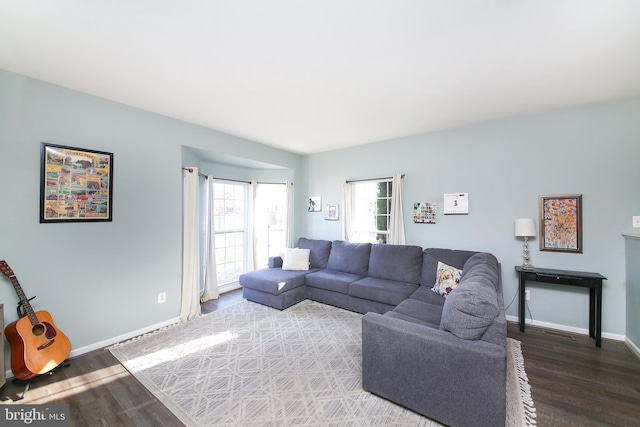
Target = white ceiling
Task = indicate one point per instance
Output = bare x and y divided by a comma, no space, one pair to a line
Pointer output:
310,76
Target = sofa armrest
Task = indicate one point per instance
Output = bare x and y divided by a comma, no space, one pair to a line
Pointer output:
275,261
454,381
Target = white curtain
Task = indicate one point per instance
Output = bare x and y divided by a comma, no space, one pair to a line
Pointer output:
347,202
251,243
288,231
210,276
396,221
190,308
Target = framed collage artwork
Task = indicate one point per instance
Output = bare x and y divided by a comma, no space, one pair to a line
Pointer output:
76,184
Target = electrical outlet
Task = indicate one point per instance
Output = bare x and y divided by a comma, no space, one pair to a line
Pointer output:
636,221
162,297
527,295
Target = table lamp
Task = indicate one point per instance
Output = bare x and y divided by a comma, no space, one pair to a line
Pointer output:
526,227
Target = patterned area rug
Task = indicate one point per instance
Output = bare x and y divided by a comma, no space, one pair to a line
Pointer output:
251,365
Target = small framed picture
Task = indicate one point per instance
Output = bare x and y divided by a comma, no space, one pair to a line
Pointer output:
331,214
314,204
424,213
561,223
456,204
76,184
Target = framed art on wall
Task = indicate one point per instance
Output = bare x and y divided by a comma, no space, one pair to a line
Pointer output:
424,213
561,223
331,213
76,184
314,204
456,204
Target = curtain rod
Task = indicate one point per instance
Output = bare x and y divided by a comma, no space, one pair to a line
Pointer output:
372,179
232,180
191,171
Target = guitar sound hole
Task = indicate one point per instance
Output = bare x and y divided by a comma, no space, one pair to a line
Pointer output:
38,329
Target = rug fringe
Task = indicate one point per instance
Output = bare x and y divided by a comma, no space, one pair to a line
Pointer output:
525,388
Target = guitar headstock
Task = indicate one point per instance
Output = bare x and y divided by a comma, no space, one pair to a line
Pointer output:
5,269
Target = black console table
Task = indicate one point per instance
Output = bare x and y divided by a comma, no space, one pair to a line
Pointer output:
593,281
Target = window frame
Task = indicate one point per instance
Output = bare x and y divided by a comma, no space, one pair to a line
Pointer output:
225,281
359,202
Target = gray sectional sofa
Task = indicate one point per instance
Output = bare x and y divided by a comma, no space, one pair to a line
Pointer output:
444,358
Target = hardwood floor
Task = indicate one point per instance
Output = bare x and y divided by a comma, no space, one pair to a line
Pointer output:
573,383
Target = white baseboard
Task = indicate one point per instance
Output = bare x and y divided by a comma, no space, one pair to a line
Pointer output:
228,287
565,328
82,350
634,348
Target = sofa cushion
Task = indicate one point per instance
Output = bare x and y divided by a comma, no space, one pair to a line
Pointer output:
273,280
431,256
470,308
337,281
402,263
295,259
419,312
426,294
349,257
483,264
447,278
319,251
381,290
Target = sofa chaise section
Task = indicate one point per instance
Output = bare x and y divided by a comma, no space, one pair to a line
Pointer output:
279,288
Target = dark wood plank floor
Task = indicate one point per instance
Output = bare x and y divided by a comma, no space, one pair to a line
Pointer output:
573,383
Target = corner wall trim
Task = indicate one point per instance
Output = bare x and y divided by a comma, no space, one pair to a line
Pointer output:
565,328
633,347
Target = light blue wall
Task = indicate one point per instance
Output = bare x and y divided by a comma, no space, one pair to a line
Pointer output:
504,166
101,280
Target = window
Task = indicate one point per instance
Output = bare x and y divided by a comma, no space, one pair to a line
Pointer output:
270,221
230,229
371,211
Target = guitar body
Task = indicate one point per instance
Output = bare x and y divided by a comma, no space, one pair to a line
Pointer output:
36,348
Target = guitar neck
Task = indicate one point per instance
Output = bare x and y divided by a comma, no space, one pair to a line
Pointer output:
24,301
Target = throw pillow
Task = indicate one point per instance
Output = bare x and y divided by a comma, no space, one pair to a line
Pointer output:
447,278
295,259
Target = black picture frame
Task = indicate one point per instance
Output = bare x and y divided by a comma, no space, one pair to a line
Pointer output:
561,223
76,184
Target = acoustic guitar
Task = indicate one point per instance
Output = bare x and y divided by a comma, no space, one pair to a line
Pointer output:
37,345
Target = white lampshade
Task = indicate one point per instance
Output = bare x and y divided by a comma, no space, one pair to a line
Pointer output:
525,227
271,218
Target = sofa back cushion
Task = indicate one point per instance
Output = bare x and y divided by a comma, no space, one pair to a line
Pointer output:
473,306
431,256
319,251
402,263
349,257
483,264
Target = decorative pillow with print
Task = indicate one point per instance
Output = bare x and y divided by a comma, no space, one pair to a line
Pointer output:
447,278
